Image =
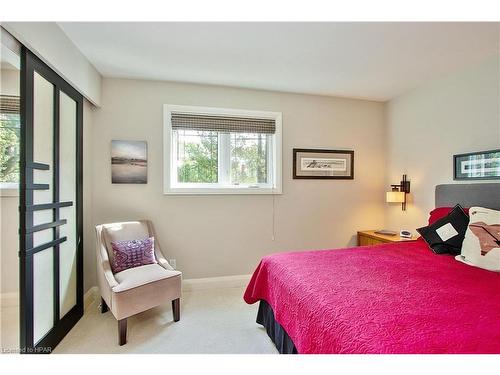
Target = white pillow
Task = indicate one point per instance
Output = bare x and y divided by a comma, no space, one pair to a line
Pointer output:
481,246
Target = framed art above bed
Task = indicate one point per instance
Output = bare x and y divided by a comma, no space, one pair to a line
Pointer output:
483,165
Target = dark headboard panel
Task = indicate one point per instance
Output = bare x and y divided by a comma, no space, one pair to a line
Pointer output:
468,195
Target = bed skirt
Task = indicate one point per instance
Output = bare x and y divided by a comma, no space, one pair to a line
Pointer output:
275,331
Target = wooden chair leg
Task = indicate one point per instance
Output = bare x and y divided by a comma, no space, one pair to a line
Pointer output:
176,309
122,331
104,306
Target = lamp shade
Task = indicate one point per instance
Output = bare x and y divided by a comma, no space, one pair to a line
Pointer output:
395,197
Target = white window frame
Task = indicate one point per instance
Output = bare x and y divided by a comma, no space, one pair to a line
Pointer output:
171,187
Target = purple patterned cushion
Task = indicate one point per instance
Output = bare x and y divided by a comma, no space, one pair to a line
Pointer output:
133,253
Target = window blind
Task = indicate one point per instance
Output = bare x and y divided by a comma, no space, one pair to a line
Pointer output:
9,104
223,124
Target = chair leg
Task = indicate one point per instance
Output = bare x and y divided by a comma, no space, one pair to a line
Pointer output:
176,309
122,331
104,306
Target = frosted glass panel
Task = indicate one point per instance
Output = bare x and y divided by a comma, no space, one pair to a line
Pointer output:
43,120
67,148
41,217
43,177
67,192
43,293
43,125
43,236
43,275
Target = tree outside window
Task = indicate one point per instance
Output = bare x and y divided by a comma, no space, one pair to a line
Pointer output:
197,154
10,134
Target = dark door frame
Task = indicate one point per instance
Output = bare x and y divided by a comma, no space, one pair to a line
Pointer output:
29,64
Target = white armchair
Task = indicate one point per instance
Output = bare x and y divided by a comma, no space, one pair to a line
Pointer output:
138,289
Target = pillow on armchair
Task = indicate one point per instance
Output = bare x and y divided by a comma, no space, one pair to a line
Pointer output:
132,253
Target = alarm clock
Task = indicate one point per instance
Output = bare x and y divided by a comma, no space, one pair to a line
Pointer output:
405,233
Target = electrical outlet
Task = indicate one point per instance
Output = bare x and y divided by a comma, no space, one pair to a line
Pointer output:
173,263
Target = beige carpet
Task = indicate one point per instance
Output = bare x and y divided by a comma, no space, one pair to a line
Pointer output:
212,321
9,332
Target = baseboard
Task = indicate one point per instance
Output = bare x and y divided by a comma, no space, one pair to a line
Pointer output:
236,281
188,285
10,299
90,297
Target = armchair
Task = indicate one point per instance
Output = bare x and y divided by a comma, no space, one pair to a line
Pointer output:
138,289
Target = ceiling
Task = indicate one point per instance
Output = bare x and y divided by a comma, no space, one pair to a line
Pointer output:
376,61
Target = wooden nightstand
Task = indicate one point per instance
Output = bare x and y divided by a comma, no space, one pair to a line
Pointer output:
369,237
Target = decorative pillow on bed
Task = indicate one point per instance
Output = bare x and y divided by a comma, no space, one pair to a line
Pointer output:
445,235
133,253
440,212
481,247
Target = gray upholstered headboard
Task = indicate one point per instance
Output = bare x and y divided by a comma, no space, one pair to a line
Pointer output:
468,195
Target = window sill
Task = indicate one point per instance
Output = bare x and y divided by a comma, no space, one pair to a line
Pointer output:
222,191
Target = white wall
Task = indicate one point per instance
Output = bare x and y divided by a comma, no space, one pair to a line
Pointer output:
427,126
9,214
9,245
50,43
89,257
227,235
9,82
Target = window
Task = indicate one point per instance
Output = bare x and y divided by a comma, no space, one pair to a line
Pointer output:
221,151
9,141
10,121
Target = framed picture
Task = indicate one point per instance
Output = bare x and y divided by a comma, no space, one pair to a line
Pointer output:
129,162
483,165
323,164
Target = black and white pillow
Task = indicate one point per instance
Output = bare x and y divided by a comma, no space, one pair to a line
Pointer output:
446,235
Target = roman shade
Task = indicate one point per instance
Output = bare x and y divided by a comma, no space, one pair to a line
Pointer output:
9,104
223,124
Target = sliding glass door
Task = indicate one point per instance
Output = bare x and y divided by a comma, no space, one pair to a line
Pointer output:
51,249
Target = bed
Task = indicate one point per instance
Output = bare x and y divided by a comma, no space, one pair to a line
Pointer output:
389,298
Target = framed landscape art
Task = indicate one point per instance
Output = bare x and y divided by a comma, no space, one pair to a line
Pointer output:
129,162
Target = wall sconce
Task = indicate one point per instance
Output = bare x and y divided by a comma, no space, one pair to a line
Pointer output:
398,193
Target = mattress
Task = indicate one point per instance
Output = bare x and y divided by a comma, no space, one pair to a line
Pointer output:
388,298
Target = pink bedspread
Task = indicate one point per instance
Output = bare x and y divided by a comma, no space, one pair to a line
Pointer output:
390,298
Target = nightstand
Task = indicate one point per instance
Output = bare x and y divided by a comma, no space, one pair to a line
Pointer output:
369,237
